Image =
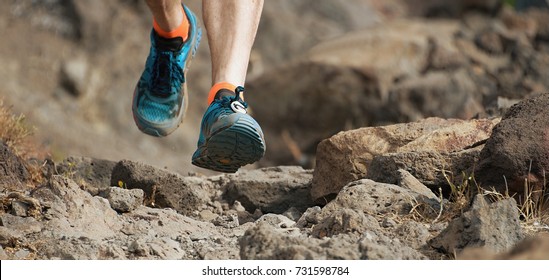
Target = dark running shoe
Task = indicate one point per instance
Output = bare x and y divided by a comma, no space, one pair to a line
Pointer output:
229,137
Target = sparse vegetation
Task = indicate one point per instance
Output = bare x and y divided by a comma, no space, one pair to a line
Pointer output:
462,193
15,132
533,204
457,202
13,129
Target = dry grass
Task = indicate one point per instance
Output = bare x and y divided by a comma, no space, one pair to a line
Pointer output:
533,204
16,133
461,193
13,129
458,201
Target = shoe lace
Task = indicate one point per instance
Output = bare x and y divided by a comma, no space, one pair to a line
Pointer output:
238,91
166,72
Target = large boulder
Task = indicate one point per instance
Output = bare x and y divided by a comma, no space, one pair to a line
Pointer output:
273,190
92,174
428,95
518,149
373,198
347,156
187,195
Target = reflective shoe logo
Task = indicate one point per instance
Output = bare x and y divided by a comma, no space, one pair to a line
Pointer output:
237,107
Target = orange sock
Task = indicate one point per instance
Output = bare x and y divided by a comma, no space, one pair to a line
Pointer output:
181,31
217,87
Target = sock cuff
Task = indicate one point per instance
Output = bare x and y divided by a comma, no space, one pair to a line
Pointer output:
181,31
217,87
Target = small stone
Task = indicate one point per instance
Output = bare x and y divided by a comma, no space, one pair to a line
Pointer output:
124,200
245,217
227,221
195,236
369,235
257,213
21,254
293,213
238,206
221,240
408,181
388,223
8,236
138,248
438,227
278,221
19,208
310,217
207,215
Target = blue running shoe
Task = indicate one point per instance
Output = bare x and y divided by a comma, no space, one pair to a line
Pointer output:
229,137
160,98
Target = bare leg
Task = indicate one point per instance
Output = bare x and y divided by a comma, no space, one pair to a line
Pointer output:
167,13
229,138
231,26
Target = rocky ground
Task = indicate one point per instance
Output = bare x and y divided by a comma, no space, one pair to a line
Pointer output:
432,142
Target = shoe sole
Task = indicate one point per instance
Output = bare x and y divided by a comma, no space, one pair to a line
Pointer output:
165,130
232,148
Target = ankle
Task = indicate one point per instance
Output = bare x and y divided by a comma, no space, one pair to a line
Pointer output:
218,87
180,31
